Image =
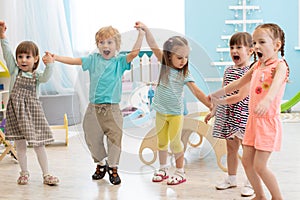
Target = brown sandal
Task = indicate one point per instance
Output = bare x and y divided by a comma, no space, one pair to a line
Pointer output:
113,175
100,172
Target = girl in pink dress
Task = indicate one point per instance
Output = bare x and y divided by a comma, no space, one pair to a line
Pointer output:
263,134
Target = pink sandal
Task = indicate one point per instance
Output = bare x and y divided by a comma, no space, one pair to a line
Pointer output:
50,180
23,179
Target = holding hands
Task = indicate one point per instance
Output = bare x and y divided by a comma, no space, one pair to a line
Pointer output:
48,58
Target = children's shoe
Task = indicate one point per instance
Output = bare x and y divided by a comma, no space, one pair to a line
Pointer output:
113,175
226,184
23,179
247,190
100,172
160,175
50,180
177,178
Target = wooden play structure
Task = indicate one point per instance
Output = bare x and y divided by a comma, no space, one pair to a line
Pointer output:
192,124
65,128
9,148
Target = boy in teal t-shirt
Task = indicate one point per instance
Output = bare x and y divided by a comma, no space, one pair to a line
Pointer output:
103,115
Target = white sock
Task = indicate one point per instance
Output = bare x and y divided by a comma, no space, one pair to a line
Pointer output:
181,170
165,166
232,178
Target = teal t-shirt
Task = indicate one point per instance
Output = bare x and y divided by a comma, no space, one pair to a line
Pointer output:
105,77
168,98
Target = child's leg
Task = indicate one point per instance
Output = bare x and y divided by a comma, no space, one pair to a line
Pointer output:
21,148
232,164
260,166
162,126
249,155
43,161
177,147
93,134
232,155
162,142
110,120
42,158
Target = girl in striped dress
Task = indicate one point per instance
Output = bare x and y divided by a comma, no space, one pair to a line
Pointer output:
26,122
263,134
168,102
231,117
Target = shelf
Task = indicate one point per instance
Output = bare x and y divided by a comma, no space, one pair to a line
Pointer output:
225,37
244,7
240,21
223,49
3,91
224,63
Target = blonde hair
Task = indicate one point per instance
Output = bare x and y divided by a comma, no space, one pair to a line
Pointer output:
108,32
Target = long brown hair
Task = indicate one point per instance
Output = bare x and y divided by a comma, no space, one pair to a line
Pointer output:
168,50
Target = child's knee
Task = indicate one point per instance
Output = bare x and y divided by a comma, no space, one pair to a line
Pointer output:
176,147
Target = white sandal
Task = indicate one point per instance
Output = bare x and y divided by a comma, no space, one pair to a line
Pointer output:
176,178
160,175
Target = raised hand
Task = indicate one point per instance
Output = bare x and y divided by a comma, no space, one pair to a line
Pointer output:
2,29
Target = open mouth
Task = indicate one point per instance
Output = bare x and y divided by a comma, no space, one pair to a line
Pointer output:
259,54
106,52
236,58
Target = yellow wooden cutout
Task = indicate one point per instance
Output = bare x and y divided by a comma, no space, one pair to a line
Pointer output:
3,70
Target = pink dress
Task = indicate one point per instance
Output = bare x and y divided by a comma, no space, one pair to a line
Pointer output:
264,132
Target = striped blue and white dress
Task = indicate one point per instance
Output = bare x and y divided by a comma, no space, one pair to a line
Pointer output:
231,120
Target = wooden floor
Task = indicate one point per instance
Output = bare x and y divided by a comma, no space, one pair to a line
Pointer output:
74,166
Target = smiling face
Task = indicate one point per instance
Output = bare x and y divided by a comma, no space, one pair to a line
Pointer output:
265,47
26,61
27,56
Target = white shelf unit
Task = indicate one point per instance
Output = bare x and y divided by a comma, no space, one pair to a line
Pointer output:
4,94
243,21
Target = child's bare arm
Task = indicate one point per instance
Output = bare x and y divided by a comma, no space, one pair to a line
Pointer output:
137,46
66,60
150,40
199,94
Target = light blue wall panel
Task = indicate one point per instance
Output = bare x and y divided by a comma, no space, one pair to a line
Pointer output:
205,23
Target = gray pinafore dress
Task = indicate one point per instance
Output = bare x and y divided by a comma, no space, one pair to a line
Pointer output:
25,116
